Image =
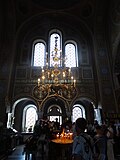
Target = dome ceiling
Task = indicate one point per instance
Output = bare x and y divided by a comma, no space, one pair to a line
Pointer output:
55,4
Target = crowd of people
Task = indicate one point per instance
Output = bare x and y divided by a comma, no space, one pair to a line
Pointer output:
98,142
90,141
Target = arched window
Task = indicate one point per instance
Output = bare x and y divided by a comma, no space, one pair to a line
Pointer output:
39,54
29,118
77,112
55,39
55,43
70,55
55,112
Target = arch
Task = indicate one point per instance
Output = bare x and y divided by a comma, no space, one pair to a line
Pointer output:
83,98
19,108
22,99
78,111
55,111
90,108
56,101
38,53
82,31
55,41
32,25
71,51
29,120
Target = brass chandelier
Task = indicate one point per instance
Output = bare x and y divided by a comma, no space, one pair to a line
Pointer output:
55,80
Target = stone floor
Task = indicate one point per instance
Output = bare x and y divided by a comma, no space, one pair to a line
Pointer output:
18,154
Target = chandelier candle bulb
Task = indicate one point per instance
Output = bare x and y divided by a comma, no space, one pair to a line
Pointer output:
63,74
38,82
69,71
48,74
58,135
72,79
74,82
47,64
52,75
71,135
43,78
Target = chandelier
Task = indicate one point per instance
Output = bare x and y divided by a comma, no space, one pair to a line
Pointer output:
55,80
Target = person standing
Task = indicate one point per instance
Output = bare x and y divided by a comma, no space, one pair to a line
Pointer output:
82,143
56,124
100,143
110,141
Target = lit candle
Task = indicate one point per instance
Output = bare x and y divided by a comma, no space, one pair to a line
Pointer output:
74,82
43,78
61,136
65,136
48,74
69,70
63,74
57,135
71,135
38,82
52,75
72,79
47,64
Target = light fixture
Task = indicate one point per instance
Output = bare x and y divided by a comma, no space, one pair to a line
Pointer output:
55,80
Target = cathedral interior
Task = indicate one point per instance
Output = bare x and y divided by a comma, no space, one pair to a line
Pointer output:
89,31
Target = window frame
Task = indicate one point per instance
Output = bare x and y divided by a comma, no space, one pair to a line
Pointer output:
62,48
76,50
33,49
82,110
25,113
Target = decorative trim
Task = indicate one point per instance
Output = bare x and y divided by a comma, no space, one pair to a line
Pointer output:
87,73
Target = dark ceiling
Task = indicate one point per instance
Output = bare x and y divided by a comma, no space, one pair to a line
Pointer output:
56,4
